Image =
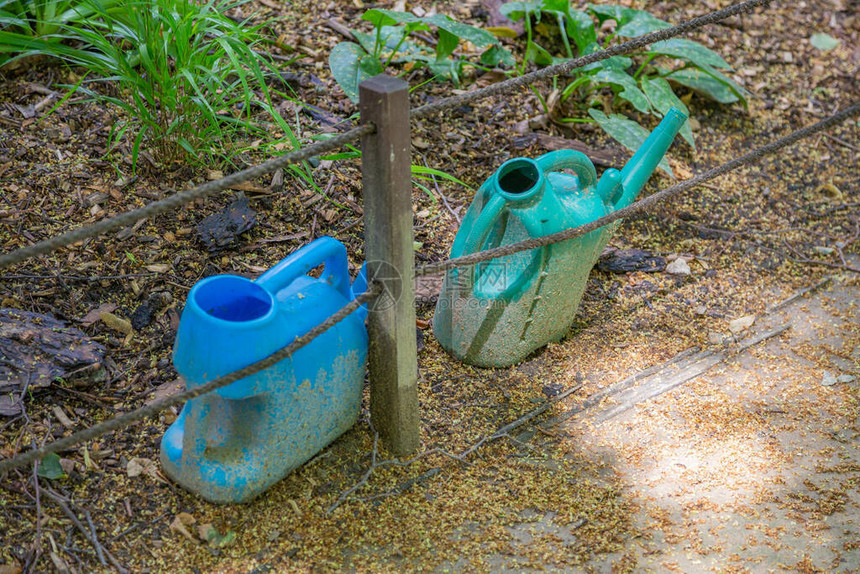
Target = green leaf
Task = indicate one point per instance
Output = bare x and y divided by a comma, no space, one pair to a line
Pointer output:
448,42
350,65
497,56
476,36
429,172
380,18
620,63
516,11
663,98
708,85
689,51
50,468
580,28
607,12
629,90
824,42
538,55
638,23
626,132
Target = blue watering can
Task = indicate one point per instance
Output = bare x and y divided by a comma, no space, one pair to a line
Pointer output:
235,442
495,314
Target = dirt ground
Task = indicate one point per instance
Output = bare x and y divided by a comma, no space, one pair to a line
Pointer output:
752,465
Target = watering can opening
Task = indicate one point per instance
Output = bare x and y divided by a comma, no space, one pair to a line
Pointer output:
233,299
519,179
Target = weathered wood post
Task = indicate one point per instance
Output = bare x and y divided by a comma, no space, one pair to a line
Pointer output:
387,191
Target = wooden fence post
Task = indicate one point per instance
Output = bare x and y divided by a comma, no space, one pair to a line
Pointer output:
387,191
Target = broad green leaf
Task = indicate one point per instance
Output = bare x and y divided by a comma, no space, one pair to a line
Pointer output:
626,132
476,36
629,90
497,55
380,18
516,11
824,42
707,85
367,41
50,468
446,45
607,12
448,69
350,65
663,98
639,23
689,51
538,55
580,28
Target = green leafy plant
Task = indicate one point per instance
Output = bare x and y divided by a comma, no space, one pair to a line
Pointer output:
186,77
637,80
392,43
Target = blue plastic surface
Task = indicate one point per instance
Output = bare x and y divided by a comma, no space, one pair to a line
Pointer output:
233,443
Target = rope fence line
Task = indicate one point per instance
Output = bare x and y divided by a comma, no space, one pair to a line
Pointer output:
210,188
643,204
125,419
375,289
570,65
178,399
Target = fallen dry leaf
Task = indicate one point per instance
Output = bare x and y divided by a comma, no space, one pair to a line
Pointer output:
116,323
180,524
139,465
94,315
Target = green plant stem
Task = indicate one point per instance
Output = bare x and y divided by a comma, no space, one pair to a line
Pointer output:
642,67
397,47
577,121
571,88
528,24
540,99
563,31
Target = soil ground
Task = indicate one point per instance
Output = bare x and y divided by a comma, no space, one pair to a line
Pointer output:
751,466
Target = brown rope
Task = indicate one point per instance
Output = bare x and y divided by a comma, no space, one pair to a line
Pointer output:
156,407
570,65
641,205
210,188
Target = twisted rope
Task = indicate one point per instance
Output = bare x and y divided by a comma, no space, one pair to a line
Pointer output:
210,188
177,200
570,65
156,407
642,205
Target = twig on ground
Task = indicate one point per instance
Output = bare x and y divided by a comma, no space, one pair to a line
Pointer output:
37,545
89,537
442,195
502,432
842,142
95,539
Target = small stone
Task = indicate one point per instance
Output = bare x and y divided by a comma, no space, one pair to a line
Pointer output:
828,379
552,390
715,338
678,267
846,378
741,324
701,310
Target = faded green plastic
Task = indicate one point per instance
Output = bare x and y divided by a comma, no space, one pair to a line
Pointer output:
496,313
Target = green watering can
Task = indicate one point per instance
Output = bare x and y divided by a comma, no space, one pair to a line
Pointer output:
494,314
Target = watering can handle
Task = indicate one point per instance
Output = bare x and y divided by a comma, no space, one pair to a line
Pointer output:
570,159
480,231
324,251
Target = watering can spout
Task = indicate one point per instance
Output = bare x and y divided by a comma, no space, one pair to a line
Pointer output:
643,163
